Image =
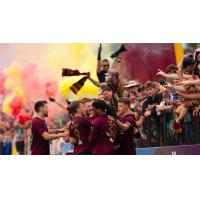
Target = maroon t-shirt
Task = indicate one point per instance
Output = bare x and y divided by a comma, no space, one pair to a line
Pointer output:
39,146
127,145
99,139
80,129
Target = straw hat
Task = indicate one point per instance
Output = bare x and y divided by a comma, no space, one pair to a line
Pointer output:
132,83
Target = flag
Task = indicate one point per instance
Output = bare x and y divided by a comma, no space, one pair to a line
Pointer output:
78,85
70,72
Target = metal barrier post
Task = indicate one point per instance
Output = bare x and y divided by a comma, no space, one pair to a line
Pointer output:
164,129
148,132
198,129
195,135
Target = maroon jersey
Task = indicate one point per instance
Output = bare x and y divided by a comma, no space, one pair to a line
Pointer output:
127,145
91,119
80,130
39,146
99,137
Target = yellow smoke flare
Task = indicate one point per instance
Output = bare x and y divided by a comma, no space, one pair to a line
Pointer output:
14,76
88,90
20,93
49,60
6,105
73,56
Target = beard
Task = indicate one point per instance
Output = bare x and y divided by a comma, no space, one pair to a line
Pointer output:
45,114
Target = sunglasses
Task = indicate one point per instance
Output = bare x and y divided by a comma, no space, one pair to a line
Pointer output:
105,65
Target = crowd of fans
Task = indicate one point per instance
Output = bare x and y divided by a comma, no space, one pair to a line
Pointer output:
124,115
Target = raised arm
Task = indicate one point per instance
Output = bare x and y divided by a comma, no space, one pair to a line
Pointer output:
189,96
191,82
101,85
180,71
64,106
53,136
173,76
99,59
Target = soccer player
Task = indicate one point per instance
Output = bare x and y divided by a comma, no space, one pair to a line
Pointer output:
40,133
79,130
99,136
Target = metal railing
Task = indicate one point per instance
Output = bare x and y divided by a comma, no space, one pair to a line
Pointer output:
159,131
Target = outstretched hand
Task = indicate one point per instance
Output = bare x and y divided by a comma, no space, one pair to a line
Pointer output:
88,75
147,113
196,111
62,130
161,73
160,87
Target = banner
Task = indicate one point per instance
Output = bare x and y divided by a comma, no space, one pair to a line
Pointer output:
170,150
